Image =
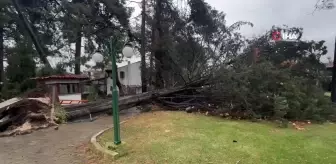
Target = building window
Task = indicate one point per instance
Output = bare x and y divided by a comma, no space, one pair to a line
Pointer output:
68,88
122,74
63,89
75,88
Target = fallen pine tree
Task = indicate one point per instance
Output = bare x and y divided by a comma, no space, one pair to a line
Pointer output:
76,111
105,105
23,115
261,91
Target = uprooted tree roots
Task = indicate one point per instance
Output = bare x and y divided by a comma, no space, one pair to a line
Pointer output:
24,116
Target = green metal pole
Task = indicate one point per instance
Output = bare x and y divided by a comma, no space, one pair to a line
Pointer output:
115,106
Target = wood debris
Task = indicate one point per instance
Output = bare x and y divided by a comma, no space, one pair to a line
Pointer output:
23,116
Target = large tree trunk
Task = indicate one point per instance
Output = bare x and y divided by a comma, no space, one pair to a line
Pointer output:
1,55
159,82
151,60
76,111
158,52
121,89
151,68
143,51
39,48
333,78
78,52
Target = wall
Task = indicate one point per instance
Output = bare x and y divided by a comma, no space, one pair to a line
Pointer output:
132,76
61,81
109,85
76,96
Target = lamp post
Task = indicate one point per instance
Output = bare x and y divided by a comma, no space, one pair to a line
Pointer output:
127,52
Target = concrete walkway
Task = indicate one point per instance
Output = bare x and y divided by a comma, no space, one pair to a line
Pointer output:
51,146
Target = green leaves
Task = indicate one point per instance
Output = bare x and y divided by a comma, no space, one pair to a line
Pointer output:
18,80
271,92
4,17
281,106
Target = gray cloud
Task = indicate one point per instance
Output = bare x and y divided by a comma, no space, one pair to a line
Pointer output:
264,13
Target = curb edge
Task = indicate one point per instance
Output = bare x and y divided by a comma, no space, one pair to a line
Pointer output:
98,147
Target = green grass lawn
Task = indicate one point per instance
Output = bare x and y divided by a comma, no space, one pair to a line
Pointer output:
178,137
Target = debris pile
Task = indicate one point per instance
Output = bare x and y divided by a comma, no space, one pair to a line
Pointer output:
300,125
23,116
41,91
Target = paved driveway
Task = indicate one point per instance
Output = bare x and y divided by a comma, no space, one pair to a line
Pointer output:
51,146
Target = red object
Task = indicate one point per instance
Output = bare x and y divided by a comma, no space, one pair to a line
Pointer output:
64,77
276,35
64,102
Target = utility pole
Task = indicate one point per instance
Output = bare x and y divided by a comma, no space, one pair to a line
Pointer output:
333,81
143,48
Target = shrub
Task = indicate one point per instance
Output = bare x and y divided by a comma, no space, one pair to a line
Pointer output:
60,114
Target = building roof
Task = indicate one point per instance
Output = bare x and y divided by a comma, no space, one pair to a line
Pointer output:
63,77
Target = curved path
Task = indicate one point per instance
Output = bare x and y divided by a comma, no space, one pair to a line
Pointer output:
51,146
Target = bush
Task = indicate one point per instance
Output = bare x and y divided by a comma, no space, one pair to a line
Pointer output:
10,90
60,114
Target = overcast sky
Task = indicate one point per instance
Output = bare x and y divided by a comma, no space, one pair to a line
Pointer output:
295,13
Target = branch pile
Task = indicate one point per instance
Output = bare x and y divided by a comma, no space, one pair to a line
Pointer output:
22,116
260,91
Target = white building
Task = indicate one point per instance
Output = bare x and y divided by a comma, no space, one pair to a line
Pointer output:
129,76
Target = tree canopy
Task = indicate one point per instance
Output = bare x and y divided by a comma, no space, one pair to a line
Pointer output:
183,44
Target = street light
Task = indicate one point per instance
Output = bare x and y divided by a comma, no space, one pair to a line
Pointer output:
127,52
98,58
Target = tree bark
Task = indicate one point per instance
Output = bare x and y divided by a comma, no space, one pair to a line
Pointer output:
1,56
143,51
119,85
151,60
158,53
151,67
76,111
333,79
78,52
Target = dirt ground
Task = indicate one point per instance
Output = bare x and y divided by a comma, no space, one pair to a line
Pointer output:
51,146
